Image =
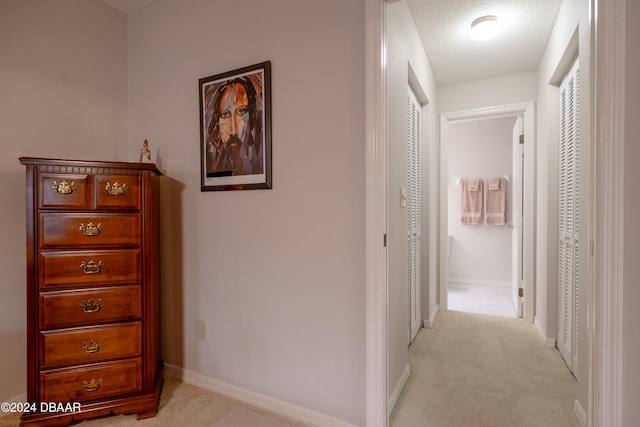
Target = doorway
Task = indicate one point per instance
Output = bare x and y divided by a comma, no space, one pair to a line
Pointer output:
526,111
484,254
605,121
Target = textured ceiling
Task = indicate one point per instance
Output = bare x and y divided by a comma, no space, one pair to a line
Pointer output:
525,26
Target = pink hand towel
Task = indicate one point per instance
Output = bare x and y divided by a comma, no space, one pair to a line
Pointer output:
494,183
471,203
495,201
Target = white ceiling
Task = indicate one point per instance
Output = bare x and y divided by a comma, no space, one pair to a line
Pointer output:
525,26
444,25
128,6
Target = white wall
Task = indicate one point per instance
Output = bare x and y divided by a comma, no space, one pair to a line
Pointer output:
631,273
277,274
573,20
479,149
405,52
497,91
63,86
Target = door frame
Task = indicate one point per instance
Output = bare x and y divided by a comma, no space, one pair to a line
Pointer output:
517,166
376,270
605,289
527,110
607,64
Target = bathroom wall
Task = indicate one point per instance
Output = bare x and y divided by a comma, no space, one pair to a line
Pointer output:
479,149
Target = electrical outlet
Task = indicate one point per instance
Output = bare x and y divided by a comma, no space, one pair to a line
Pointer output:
202,330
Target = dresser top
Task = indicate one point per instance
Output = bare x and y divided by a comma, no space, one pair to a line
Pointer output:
35,161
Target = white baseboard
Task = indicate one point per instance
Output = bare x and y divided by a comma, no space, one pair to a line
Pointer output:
428,323
393,399
580,414
548,342
466,281
288,410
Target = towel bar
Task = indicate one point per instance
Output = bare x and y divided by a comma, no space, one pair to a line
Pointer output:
459,179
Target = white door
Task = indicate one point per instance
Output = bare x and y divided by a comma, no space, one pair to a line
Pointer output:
569,219
516,215
414,214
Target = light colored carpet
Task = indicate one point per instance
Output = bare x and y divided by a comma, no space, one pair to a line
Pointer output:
484,371
185,405
469,370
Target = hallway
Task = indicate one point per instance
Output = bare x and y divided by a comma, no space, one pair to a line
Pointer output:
480,370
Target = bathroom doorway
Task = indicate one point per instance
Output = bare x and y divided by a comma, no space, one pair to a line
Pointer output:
485,270
480,241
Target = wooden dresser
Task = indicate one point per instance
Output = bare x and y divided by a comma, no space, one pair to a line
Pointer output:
93,296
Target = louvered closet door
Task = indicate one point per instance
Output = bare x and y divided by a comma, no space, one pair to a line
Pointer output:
569,221
414,215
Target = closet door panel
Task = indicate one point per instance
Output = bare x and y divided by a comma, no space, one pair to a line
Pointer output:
569,219
414,214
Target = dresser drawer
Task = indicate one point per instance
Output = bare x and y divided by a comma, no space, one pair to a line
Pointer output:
71,268
117,191
89,306
87,230
90,344
91,382
65,191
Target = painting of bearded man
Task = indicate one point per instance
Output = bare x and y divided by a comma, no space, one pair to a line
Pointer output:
235,129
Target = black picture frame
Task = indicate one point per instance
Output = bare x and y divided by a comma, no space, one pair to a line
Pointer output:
235,129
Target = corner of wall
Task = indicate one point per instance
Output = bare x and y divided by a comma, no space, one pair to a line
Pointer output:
548,342
393,398
428,323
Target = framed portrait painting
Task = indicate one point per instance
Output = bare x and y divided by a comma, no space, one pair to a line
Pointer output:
235,129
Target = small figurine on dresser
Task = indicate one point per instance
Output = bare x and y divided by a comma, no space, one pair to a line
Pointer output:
145,153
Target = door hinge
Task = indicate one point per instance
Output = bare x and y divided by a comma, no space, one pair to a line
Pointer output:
520,292
385,240
522,139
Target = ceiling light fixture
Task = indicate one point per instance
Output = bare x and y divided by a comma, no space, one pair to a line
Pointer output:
484,27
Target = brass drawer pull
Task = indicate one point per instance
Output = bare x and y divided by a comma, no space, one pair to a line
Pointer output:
64,187
91,267
92,385
91,307
90,229
92,347
116,189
